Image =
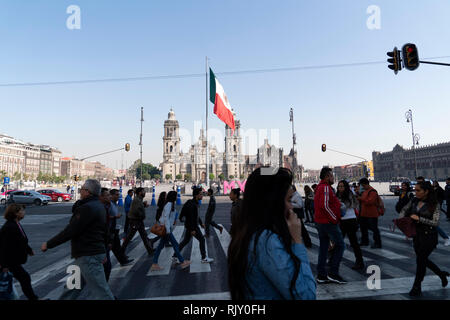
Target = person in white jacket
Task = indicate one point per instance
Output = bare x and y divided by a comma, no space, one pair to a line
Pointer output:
168,220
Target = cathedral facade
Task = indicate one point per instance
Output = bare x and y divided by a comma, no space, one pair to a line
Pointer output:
229,164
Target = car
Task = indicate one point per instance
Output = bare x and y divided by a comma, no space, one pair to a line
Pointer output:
395,185
4,195
28,197
55,195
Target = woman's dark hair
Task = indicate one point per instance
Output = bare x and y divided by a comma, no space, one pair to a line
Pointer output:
171,198
263,208
431,199
344,196
308,190
12,210
236,192
406,183
160,205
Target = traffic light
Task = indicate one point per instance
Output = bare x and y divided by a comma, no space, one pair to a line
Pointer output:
127,147
410,56
395,60
324,147
75,178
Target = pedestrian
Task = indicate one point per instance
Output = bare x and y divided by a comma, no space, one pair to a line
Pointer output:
127,206
87,232
14,248
369,214
168,220
349,223
113,216
298,208
309,204
218,189
440,193
447,198
267,259
136,216
68,188
210,213
189,212
106,201
236,206
424,210
440,199
405,196
3,189
314,187
159,209
327,215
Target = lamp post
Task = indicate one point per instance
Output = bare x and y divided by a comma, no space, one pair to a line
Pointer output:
415,138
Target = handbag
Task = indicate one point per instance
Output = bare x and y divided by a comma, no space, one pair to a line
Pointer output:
406,225
158,229
7,291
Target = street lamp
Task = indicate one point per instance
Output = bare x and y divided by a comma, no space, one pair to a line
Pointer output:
415,138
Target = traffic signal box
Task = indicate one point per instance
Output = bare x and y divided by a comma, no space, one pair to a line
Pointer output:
410,56
396,62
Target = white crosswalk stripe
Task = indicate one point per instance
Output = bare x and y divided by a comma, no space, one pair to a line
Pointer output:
196,264
224,239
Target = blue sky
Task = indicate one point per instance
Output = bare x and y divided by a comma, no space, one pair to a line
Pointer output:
356,110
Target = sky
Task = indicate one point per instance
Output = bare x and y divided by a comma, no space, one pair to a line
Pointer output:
356,109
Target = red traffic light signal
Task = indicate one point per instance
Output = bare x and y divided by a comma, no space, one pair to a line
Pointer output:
396,62
410,56
324,147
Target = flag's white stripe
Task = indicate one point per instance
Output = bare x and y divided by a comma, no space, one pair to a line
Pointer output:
165,258
222,94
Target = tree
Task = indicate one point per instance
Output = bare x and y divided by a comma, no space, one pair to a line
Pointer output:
146,176
168,176
179,176
241,176
188,177
221,177
16,176
231,177
148,168
157,176
212,176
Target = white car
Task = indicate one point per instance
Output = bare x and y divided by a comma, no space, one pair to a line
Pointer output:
29,197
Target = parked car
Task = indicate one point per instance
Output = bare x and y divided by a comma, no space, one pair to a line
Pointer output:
29,197
396,184
55,195
4,195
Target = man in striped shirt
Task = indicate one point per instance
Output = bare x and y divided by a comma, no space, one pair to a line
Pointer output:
327,216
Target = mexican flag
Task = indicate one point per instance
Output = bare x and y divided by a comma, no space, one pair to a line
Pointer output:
217,96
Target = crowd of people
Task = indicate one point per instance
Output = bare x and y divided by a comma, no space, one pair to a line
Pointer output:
267,254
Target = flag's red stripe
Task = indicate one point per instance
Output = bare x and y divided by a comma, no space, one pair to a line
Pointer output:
223,112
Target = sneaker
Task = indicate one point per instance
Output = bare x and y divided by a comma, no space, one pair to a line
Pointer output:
322,279
156,267
336,278
447,242
185,264
207,260
127,263
175,260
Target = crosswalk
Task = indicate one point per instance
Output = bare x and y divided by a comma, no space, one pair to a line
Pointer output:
204,281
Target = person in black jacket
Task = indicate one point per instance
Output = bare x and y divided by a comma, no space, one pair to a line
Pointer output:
87,231
14,248
405,197
189,212
209,214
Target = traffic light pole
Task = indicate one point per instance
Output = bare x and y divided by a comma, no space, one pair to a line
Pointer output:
102,154
348,154
437,63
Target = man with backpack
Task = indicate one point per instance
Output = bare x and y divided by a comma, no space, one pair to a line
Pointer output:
372,207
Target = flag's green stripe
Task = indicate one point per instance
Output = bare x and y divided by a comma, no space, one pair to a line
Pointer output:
212,86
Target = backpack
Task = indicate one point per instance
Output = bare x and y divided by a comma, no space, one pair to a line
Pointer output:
380,204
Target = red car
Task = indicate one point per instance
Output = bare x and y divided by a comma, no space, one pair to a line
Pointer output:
4,194
56,195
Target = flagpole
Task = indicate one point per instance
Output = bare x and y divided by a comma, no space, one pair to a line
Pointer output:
206,135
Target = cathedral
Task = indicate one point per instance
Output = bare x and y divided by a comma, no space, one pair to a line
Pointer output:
229,164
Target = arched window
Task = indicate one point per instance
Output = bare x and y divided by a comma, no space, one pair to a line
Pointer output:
234,148
171,148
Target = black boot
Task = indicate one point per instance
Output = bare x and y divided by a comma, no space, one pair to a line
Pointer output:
415,291
444,280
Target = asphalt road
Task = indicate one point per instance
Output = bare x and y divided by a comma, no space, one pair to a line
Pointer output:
203,281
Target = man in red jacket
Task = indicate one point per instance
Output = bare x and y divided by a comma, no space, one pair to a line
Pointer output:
327,216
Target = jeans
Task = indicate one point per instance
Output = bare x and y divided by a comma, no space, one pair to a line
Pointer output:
92,278
349,227
107,266
309,210
369,224
329,232
137,226
198,235
24,279
168,237
424,245
442,233
209,221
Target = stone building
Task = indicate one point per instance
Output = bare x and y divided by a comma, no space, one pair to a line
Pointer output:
193,162
432,162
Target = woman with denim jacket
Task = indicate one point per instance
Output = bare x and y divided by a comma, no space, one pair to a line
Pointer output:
424,210
266,257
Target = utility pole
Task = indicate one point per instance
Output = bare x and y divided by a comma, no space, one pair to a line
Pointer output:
294,164
415,138
140,143
206,135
